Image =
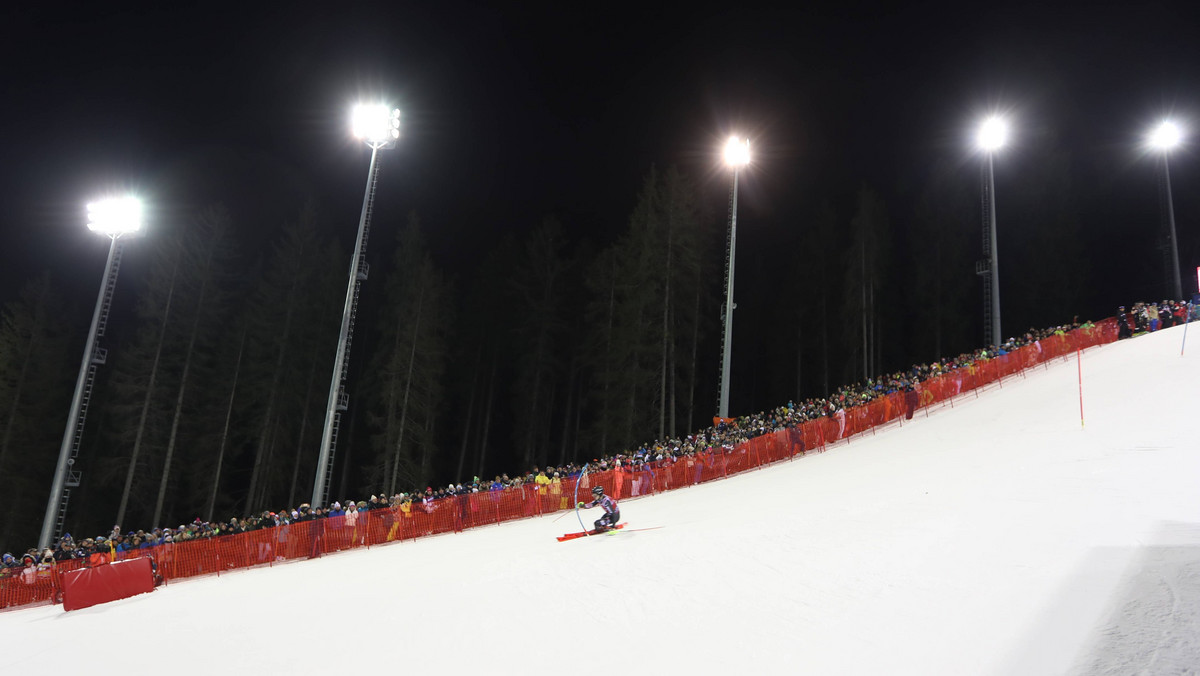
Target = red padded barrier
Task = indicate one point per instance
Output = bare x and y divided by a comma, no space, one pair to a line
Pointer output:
309,539
87,587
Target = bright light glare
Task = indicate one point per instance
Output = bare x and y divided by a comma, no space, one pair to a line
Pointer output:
115,216
737,152
993,134
1166,136
375,123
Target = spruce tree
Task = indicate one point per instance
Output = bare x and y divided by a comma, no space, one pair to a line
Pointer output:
941,265
408,367
35,354
290,319
539,286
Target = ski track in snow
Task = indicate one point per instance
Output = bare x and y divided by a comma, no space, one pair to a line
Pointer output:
994,536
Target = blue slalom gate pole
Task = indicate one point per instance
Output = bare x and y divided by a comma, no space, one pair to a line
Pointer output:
579,481
1185,325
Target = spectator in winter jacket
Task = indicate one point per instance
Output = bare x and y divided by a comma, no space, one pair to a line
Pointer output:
1179,313
66,549
556,491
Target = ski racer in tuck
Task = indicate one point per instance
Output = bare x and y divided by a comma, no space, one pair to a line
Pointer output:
612,515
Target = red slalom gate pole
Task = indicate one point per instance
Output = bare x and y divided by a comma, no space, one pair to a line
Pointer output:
1079,362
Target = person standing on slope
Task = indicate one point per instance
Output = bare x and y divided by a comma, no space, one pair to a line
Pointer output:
612,515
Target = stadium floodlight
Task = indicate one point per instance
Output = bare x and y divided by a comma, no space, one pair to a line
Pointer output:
993,134
1164,138
115,217
737,155
737,152
375,123
378,126
112,218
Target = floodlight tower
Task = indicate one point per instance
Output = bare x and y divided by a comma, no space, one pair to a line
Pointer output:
1166,137
737,155
991,137
378,126
111,218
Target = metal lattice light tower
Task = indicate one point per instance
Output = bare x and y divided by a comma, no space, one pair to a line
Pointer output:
379,127
111,218
1166,137
992,136
737,155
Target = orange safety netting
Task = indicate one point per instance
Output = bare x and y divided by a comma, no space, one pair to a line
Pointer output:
41,585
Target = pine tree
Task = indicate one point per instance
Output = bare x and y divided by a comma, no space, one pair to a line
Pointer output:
131,376
539,289
290,318
207,268
686,242
941,265
409,366
161,395
1042,229
34,391
866,264
647,293
811,294
604,283
223,441
485,328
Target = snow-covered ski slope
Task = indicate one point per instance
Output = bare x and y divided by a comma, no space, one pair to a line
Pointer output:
993,537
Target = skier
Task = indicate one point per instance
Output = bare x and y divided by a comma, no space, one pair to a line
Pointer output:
612,515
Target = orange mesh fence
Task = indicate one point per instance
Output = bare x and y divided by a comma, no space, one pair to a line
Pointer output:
39,585
31,586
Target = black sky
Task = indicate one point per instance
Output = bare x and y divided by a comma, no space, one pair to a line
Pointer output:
512,113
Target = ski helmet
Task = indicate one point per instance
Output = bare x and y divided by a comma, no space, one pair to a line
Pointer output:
597,491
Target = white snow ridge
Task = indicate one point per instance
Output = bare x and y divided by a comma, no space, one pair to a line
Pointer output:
996,536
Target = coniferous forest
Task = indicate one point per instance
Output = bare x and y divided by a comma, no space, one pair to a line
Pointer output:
557,346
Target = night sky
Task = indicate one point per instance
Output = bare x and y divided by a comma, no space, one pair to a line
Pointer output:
511,114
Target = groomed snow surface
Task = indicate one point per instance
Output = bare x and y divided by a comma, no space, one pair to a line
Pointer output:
996,536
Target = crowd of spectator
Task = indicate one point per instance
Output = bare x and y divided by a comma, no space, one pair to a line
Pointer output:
726,433
1148,317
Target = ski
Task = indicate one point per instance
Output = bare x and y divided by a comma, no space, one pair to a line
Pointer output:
586,533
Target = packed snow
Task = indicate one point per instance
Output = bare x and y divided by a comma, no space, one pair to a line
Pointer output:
999,535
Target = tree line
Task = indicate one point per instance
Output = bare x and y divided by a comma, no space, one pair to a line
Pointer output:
554,349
